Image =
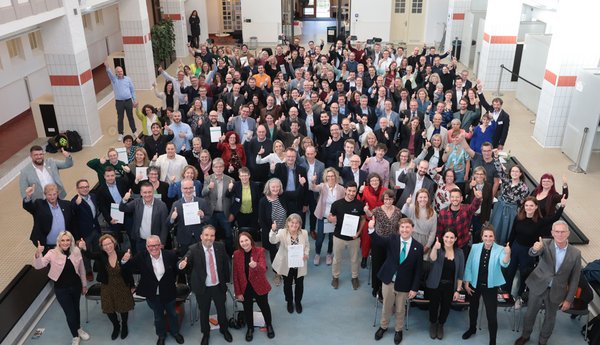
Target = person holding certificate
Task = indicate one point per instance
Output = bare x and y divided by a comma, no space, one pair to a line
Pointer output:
329,192
348,216
290,261
250,282
189,214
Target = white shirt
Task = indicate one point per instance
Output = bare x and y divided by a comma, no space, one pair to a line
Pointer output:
311,170
43,175
208,281
418,183
159,268
146,226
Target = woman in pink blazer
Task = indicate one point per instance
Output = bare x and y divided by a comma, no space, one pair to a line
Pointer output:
68,274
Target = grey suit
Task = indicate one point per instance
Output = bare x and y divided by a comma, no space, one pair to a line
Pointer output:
467,120
159,216
210,195
319,168
29,177
410,179
236,125
550,287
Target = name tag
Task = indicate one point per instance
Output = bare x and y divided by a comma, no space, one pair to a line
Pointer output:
500,122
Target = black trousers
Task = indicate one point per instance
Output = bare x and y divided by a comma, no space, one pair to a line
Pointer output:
125,106
263,303
215,294
378,256
68,298
290,279
440,300
490,301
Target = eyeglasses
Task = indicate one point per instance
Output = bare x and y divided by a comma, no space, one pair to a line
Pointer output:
153,245
83,187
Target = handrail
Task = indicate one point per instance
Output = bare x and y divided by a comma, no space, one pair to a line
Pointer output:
502,67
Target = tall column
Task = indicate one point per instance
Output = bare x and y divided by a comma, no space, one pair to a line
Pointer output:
135,28
175,10
499,42
68,64
456,20
562,67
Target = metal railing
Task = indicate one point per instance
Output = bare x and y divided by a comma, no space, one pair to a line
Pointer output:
502,68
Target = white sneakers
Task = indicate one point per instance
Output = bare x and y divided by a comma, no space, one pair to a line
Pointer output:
120,139
317,259
83,334
518,303
75,341
329,260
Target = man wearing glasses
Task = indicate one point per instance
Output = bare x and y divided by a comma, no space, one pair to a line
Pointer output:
85,220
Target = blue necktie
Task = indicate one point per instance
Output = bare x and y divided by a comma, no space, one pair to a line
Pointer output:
403,252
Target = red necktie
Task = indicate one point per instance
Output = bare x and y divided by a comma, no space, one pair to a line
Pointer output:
211,264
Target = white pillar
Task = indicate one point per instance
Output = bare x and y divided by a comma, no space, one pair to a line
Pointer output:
68,63
562,67
499,42
456,19
175,10
135,28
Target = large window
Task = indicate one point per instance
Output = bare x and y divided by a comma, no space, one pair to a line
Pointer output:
99,17
86,19
400,6
15,48
232,15
35,40
417,6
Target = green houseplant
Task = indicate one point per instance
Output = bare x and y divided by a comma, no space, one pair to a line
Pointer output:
163,42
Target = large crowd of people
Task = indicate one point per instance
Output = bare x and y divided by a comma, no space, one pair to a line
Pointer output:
393,155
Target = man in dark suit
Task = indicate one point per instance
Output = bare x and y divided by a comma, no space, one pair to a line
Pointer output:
209,265
465,77
234,100
413,111
353,172
50,215
314,167
204,133
553,282
415,181
158,272
296,189
260,172
187,234
400,274
432,55
500,117
149,215
85,220
112,192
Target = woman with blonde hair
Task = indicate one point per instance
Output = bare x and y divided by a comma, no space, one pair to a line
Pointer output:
277,156
272,208
329,192
189,172
68,273
293,273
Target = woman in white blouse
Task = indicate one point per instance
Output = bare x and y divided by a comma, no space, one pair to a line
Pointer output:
278,155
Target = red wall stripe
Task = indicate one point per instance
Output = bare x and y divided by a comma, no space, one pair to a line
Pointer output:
458,16
550,77
71,80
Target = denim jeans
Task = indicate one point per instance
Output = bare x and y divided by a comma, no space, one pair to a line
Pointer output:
321,238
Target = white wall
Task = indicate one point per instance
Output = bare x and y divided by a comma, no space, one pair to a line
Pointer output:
436,13
374,19
265,20
548,16
214,16
13,93
96,35
533,67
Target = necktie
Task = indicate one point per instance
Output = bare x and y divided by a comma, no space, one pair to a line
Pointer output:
403,252
211,266
413,114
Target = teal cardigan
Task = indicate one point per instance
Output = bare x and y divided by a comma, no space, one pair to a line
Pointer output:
495,277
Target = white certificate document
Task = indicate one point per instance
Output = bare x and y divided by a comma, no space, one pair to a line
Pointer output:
350,225
328,227
141,171
116,214
215,134
296,255
122,152
190,213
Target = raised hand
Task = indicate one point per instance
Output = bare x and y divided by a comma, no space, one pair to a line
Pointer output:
155,157
127,196
102,160
126,256
563,201
261,151
437,245
29,191
183,263
126,169
173,179
81,244
313,179
65,152
174,214
329,141
274,226
478,194
409,199
252,263
302,180
230,186
211,185
39,250
537,246
362,187
507,249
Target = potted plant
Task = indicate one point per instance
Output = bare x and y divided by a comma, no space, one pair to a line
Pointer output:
163,42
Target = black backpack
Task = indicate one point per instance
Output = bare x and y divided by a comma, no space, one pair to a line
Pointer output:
75,141
592,271
593,331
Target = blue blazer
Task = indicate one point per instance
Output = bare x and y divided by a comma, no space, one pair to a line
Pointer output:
495,276
84,222
408,274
